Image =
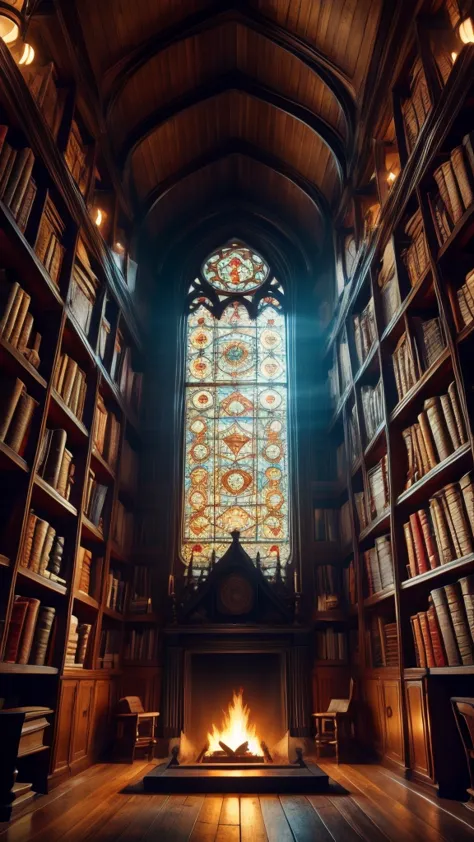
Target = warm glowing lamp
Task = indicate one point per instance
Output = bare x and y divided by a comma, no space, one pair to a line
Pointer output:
466,31
27,55
391,177
99,218
454,57
9,30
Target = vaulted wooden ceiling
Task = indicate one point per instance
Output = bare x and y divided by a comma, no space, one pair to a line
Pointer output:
208,101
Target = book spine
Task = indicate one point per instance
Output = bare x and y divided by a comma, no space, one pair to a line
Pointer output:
467,590
450,421
21,422
436,637
438,428
420,550
460,523
461,629
458,416
430,543
8,407
410,550
447,633
467,490
427,642
418,640
28,631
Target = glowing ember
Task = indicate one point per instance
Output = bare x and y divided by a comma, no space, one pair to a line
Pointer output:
235,728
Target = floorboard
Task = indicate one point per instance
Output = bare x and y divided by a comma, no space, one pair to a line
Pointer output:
368,803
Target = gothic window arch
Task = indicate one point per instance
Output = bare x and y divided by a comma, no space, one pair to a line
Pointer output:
236,466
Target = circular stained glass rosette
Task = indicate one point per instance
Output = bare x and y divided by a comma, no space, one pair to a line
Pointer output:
202,399
235,268
270,399
200,368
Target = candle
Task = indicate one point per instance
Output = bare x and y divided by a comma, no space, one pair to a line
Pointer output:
171,585
295,580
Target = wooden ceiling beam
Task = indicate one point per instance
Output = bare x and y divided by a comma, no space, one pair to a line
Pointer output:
216,14
234,81
248,150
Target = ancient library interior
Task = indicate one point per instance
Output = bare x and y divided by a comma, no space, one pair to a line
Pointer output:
236,420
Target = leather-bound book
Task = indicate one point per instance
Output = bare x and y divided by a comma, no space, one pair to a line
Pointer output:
422,563
64,472
39,537
11,392
410,550
436,637
459,621
462,176
83,631
8,296
21,161
42,633
430,542
25,332
428,439
441,496
439,429
427,642
46,550
467,490
467,589
30,531
69,377
11,311
7,171
439,177
54,456
24,210
22,185
18,432
20,319
75,391
56,555
59,373
458,415
28,631
85,575
450,421
461,524
423,458
418,640
15,629
440,603
82,397
453,191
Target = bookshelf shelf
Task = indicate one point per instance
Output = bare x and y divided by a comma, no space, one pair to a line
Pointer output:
369,360
51,500
10,460
376,527
440,368
334,616
379,597
26,573
330,663
118,555
142,664
375,440
415,291
85,599
444,472
113,615
142,618
4,561
452,671
460,234
101,467
13,362
90,531
27,669
456,567
62,417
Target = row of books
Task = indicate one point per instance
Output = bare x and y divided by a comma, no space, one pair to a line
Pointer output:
140,598
444,634
116,595
440,431
123,527
129,381
16,324
411,359
454,179
83,289
344,364
48,246
49,99
444,531
17,187
77,158
70,383
43,549
382,643
387,281
379,493
106,432
94,502
417,105
335,586
365,331
141,645
465,297
331,645
84,569
55,463
415,256
378,563
29,636
17,408
353,437
373,408
109,648
78,639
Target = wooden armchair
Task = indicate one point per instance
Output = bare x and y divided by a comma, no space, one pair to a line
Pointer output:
464,714
135,729
337,719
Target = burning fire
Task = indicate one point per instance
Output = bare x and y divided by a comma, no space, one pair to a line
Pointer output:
235,728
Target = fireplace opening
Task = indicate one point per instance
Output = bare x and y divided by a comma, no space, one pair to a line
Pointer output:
235,705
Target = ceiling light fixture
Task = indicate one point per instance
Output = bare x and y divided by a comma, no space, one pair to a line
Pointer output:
27,55
9,30
99,218
391,177
466,31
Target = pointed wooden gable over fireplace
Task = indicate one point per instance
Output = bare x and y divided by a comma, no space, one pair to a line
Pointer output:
237,591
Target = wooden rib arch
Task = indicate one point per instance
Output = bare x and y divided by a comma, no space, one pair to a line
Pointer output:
239,82
216,14
245,149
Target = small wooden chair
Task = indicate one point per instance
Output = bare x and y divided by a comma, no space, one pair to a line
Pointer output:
332,721
464,714
135,729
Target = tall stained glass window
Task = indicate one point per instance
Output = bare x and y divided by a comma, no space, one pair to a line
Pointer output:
236,448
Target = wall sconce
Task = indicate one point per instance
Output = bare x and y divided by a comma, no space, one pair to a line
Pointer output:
466,30
11,25
391,177
99,217
119,248
454,57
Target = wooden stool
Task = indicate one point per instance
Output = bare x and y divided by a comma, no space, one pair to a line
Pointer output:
338,716
135,729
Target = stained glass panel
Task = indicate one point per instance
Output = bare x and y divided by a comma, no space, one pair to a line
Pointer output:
236,448
235,268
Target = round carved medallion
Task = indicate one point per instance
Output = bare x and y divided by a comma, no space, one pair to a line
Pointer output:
236,595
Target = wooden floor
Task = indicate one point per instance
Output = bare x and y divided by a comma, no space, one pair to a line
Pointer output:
376,806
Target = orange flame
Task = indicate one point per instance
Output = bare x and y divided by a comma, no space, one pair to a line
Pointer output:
235,728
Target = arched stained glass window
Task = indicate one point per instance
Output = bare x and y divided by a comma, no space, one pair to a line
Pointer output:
236,407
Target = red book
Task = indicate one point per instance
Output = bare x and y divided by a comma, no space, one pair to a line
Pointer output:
430,543
15,628
427,641
436,639
420,549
